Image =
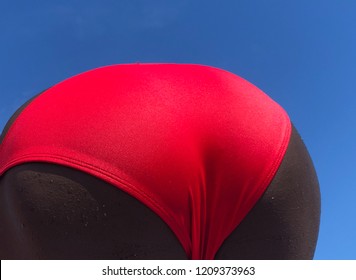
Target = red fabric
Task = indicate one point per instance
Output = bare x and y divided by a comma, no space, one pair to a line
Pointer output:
196,144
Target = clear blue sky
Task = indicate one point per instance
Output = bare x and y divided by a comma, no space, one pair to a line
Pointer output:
302,53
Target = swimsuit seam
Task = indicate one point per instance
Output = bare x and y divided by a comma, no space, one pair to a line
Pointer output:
95,168
280,153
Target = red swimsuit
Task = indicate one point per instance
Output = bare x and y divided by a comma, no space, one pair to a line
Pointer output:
196,144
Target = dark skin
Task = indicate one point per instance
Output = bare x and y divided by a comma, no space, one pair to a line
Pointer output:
49,211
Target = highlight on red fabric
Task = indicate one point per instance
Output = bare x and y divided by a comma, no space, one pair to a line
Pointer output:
196,144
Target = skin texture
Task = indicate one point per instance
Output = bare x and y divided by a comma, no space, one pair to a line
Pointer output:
53,212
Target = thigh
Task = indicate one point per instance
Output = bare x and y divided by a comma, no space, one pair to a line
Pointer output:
53,212
284,223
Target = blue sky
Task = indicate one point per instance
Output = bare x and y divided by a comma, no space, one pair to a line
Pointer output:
302,53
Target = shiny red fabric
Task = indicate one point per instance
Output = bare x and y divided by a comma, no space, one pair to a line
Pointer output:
196,144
